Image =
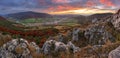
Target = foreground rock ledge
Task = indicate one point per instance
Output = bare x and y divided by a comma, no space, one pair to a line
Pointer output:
20,48
115,53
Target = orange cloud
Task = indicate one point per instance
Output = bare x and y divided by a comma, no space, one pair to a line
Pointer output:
83,11
107,2
62,8
90,3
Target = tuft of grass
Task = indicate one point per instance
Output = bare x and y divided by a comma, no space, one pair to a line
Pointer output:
4,39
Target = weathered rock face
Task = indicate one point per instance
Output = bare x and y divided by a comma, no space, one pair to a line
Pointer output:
98,35
72,47
17,48
115,53
116,20
75,34
61,38
52,46
95,21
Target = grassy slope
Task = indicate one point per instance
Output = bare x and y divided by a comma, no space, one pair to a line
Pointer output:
38,20
7,24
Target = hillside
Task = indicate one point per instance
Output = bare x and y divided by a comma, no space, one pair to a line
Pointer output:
88,19
27,15
9,24
99,16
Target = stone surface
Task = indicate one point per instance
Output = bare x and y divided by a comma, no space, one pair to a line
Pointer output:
115,53
97,35
75,34
17,48
116,20
73,47
56,46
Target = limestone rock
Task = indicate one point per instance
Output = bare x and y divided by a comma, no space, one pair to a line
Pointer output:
52,46
98,35
115,53
17,48
116,20
75,34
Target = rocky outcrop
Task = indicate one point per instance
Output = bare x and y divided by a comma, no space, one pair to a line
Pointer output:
115,53
72,47
116,20
98,35
53,46
20,48
75,34
17,48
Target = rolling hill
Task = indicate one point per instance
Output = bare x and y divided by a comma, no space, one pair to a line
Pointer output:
27,15
9,24
92,17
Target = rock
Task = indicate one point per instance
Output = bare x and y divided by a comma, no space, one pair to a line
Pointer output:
48,47
60,47
95,20
75,34
116,20
53,46
73,47
98,35
37,49
17,48
115,53
60,38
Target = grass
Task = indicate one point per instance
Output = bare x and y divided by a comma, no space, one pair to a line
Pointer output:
38,20
4,39
8,24
84,53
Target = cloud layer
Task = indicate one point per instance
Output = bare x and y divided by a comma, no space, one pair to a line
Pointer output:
57,6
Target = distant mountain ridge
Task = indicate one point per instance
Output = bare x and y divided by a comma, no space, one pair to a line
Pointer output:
99,16
27,15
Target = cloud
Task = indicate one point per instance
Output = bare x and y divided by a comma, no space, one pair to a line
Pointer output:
60,1
57,5
107,2
90,3
63,7
83,11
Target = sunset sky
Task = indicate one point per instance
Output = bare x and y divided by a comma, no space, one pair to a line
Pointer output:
59,6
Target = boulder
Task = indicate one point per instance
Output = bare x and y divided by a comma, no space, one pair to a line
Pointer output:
53,46
73,47
17,48
115,53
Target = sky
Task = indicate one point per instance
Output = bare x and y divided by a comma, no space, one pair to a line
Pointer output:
60,6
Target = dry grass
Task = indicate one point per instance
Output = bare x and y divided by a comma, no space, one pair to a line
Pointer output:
86,52
4,39
19,50
100,52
